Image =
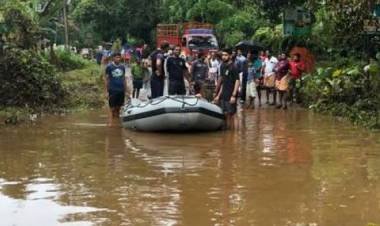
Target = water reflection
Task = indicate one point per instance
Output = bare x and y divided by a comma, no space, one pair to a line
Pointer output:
280,168
38,205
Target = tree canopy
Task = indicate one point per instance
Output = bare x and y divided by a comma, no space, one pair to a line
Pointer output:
337,23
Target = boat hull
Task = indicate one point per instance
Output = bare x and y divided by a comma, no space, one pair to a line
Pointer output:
173,113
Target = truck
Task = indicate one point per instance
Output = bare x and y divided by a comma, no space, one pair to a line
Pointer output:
192,37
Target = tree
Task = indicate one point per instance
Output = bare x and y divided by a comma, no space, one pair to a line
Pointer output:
117,19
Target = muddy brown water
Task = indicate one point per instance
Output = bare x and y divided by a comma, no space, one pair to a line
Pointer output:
280,168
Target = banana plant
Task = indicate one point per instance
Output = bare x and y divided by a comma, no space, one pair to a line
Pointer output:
33,19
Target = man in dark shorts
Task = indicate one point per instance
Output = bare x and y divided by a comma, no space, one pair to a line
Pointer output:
177,72
229,87
116,85
158,72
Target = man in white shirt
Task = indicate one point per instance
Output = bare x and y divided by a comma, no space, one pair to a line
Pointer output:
269,64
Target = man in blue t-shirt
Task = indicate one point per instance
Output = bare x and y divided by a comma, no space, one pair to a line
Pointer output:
116,85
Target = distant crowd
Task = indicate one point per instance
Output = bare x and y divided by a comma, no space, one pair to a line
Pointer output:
225,77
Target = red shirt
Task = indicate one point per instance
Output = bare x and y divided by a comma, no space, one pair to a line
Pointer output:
296,69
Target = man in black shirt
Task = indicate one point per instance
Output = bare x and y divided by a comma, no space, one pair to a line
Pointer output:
199,73
177,71
229,87
158,72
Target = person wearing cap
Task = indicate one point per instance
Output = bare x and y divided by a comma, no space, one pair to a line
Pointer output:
115,85
229,87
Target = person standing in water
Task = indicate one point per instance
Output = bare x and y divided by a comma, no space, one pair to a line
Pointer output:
282,80
229,88
115,85
254,75
137,71
158,72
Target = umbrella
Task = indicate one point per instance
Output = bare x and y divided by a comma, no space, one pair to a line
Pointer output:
306,56
249,45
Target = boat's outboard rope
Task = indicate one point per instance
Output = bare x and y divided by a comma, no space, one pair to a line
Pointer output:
180,99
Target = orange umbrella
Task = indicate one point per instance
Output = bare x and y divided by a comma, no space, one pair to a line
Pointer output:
306,56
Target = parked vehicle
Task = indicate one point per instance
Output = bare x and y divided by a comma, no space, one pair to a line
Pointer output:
192,37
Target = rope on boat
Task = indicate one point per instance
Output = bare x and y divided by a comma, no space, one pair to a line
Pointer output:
180,99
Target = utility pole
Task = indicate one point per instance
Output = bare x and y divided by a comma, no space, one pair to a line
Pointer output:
65,24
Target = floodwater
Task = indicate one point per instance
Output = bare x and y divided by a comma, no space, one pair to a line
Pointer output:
280,168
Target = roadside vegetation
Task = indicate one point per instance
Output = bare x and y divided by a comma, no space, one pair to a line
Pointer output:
345,89
33,74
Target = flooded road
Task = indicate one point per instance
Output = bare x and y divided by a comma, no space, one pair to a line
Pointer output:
292,168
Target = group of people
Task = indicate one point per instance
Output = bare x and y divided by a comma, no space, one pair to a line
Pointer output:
221,77
277,76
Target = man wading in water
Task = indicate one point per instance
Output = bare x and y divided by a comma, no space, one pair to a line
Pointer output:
229,88
116,86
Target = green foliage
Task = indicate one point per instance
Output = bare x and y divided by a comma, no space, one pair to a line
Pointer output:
233,37
14,115
345,89
271,37
19,25
272,9
66,60
117,19
239,26
24,26
117,45
27,79
84,87
209,11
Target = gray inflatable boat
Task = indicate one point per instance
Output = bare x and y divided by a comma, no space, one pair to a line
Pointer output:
172,113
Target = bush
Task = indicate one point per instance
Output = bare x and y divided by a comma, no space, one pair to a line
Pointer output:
345,89
270,37
84,87
66,60
28,79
